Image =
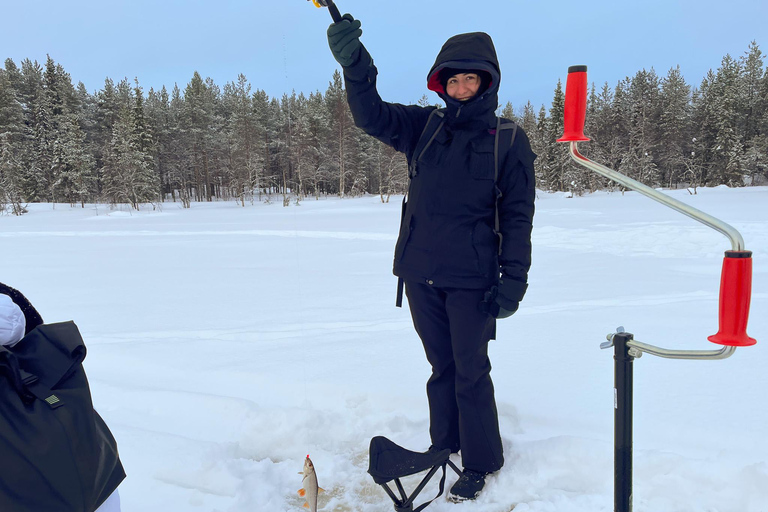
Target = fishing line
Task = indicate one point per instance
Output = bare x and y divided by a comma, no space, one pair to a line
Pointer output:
298,291
299,294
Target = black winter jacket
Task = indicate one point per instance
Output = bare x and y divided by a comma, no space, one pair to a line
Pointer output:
447,233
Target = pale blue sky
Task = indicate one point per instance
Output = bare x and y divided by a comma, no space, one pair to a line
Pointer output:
281,45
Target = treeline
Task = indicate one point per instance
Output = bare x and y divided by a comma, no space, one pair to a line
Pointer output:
59,143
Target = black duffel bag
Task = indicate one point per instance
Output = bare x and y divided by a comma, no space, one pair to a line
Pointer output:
56,453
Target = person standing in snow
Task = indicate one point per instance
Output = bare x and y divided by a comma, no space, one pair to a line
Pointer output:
38,479
464,247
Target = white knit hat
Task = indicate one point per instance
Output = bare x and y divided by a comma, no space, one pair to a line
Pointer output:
12,321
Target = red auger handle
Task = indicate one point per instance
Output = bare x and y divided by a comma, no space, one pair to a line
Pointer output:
575,105
735,295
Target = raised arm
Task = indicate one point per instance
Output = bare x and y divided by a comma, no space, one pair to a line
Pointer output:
392,123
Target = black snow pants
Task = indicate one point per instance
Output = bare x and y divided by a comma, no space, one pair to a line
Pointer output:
462,407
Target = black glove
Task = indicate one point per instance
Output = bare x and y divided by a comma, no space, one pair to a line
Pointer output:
502,301
344,40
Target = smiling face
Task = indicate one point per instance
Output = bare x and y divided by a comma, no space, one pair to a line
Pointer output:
463,86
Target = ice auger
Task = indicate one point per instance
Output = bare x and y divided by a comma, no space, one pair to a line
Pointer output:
735,293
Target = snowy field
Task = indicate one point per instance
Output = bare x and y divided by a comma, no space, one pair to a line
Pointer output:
227,343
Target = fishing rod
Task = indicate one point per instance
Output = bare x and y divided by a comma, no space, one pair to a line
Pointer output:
331,8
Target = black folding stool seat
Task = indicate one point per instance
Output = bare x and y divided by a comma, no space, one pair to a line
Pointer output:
389,461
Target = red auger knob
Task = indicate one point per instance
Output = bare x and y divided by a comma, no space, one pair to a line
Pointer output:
735,295
575,105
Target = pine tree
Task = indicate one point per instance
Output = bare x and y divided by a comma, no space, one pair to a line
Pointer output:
753,74
424,102
763,106
144,144
265,126
342,131
40,178
598,128
753,107
241,130
274,116
362,168
303,150
728,145
508,112
562,175
10,178
181,164
11,109
158,113
58,101
644,108
142,133
317,151
202,124
528,120
675,126
285,157
127,173
75,176
541,146
53,93
620,122
704,128
106,113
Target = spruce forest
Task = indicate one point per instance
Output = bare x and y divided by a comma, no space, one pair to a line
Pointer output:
61,144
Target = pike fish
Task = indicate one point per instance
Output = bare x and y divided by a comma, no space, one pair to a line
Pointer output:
310,489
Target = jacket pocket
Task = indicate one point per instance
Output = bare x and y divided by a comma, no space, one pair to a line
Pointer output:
402,240
484,243
481,159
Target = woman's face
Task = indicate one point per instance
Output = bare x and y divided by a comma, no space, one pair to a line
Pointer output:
463,86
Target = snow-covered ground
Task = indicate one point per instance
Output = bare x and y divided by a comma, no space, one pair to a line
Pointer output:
227,343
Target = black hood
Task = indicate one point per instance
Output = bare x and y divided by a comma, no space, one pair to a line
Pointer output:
472,51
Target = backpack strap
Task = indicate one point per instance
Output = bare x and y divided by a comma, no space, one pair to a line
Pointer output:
499,127
27,386
412,171
9,367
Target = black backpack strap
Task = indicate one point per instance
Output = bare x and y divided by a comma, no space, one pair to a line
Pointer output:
412,168
17,378
26,385
412,171
499,127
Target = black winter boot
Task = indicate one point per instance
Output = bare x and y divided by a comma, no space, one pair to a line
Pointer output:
467,487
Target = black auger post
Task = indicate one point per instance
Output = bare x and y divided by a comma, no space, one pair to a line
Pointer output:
622,422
